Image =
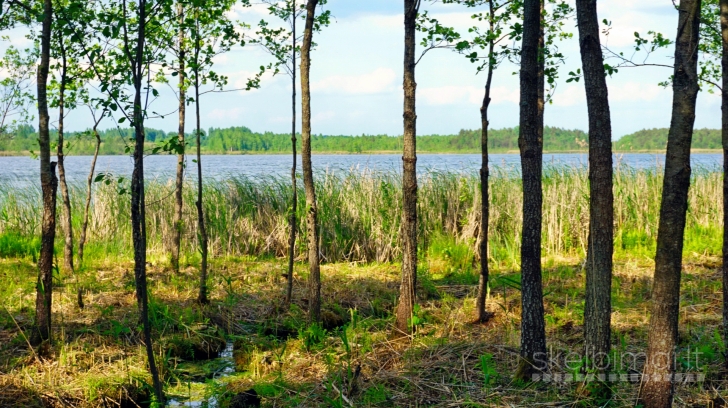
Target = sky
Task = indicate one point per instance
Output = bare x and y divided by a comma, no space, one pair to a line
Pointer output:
356,77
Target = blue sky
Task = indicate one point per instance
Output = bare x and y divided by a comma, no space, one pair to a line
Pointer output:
356,77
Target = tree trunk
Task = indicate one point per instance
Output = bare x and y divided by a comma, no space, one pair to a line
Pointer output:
89,184
294,203
202,297
314,280
530,141
598,305
657,387
480,306
138,215
49,186
724,130
66,200
407,288
179,182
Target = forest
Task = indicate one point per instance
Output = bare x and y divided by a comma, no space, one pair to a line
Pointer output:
240,140
598,285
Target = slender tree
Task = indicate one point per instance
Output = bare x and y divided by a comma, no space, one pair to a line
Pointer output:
407,288
284,44
89,184
201,229
480,306
530,141
61,52
724,131
138,202
129,25
27,13
181,52
292,225
498,17
598,305
211,34
657,385
49,187
314,280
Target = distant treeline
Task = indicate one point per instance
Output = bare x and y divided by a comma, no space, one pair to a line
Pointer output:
240,140
656,139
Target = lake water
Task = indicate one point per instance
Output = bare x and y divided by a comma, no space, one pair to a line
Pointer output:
21,170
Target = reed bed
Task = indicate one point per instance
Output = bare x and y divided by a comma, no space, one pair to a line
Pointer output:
360,214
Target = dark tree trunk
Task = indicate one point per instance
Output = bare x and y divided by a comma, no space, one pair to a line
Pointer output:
179,181
657,390
314,280
65,199
724,130
138,215
408,286
530,141
483,314
49,186
294,202
89,185
202,297
598,305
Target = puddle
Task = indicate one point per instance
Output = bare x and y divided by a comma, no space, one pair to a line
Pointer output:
197,390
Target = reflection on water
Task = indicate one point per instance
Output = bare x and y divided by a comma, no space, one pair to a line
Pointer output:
200,398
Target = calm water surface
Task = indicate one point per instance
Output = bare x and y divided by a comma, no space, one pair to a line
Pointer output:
21,170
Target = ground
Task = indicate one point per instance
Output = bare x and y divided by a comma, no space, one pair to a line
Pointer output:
97,358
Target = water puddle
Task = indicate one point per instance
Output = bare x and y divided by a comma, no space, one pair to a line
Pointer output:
197,393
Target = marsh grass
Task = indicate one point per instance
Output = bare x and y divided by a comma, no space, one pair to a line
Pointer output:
98,360
360,215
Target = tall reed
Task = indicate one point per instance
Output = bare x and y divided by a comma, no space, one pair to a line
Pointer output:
360,214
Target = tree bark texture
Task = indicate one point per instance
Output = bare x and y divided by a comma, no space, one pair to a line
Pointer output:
294,199
530,141
179,181
138,215
49,187
89,186
314,280
598,305
65,198
724,131
202,231
480,306
657,386
407,288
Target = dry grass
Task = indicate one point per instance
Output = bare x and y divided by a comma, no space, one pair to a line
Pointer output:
92,365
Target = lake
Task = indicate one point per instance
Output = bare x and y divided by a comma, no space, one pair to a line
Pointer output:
22,170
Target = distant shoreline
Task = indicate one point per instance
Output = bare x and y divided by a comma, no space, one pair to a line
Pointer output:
383,152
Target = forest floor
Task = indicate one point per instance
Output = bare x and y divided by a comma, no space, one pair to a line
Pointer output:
97,358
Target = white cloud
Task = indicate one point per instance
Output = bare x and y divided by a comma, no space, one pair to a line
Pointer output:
452,95
382,21
636,91
570,95
226,114
324,116
449,95
378,81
